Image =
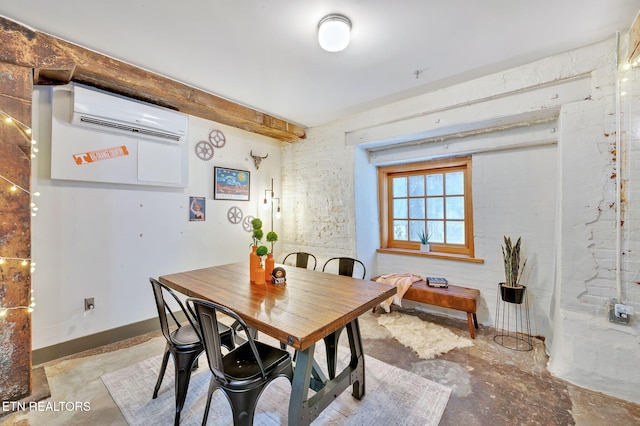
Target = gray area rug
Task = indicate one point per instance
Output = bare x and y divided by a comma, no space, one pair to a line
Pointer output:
393,396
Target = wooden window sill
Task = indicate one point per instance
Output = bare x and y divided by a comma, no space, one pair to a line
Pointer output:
431,254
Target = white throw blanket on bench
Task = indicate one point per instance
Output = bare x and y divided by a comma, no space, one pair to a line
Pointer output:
402,283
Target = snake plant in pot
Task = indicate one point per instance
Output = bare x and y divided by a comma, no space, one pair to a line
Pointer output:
511,290
424,237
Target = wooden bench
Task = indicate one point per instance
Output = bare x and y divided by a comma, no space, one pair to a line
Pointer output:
453,297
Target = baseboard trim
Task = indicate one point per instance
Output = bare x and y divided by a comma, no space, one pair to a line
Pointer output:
96,340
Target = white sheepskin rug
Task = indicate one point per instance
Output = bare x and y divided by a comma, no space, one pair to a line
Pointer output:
427,339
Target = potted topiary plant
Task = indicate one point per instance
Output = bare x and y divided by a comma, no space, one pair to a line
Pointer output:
261,252
424,241
269,264
256,236
511,290
257,232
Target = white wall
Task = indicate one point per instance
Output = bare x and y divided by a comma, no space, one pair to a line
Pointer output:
104,241
542,138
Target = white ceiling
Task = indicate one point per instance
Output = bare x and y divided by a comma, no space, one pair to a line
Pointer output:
264,53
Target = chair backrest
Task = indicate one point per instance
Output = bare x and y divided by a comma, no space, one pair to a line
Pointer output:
206,315
346,266
302,259
167,302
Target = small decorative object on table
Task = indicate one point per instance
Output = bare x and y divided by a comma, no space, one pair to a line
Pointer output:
437,282
278,275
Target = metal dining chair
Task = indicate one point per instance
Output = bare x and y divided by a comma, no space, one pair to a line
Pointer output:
302,259
243,373
183,342
346,266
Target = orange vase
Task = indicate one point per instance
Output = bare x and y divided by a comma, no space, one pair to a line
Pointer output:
254,262
269,264
259,274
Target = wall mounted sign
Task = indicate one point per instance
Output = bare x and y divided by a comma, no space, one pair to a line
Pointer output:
101,154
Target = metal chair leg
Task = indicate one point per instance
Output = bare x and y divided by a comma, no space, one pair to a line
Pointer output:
163,368
243,405
184,362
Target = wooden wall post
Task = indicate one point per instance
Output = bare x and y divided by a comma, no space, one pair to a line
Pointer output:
16,89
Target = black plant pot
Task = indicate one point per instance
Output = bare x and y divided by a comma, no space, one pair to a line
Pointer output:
512,294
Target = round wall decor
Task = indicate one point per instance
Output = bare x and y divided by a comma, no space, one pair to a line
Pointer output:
234,215
204,150
216,137
246,223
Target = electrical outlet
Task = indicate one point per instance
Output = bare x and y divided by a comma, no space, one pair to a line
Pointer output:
89,304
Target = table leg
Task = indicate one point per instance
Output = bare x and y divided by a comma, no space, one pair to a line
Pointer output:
331,343
357,359
298,404
303,410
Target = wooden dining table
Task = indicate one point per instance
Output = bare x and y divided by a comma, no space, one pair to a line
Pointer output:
310,307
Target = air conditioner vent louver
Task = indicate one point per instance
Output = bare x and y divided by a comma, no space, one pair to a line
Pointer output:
128,128
112,113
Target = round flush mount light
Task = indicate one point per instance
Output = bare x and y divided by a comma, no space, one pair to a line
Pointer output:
334,32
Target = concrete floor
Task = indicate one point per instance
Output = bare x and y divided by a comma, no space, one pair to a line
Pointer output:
492,385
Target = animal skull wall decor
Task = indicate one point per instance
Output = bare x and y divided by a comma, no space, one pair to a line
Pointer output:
257,159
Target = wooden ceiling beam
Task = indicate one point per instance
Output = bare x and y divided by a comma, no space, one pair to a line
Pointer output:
56,61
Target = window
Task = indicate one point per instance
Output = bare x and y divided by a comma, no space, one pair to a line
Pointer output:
434,197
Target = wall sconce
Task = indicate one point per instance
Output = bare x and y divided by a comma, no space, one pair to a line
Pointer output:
278,215
265,203
334,32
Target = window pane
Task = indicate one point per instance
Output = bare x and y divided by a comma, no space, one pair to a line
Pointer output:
432,194
416,208
400,208
436,229
399,187
415,229
455,207
435,208
455,232
416,186
400,230
455,183
434,184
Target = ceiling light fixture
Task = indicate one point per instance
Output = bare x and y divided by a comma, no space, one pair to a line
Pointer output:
334,32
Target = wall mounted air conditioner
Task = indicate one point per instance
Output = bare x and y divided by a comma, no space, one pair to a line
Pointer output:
112,113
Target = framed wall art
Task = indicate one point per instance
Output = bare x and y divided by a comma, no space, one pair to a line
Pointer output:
231,184
197,208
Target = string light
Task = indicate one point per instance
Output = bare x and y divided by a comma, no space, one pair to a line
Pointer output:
27,133
4,310
24,261
23,128
14,187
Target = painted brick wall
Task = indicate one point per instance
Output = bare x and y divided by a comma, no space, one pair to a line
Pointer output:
553,184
